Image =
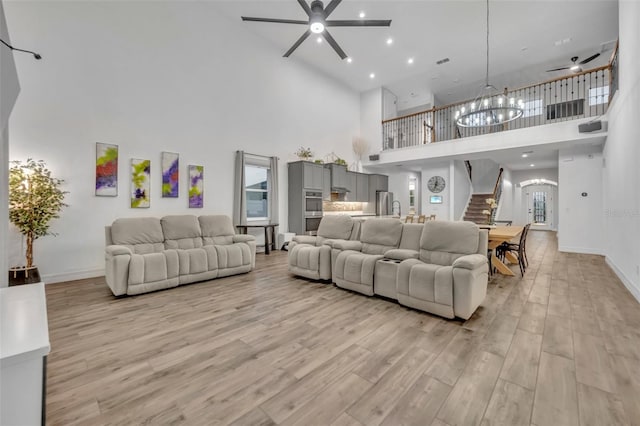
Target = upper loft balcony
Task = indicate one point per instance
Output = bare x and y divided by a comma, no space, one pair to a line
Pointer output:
552,111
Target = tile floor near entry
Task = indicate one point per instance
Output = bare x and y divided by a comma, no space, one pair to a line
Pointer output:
559,347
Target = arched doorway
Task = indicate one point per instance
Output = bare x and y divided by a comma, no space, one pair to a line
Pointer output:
539,203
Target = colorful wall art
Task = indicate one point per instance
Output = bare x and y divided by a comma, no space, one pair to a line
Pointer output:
106,170
196,186
170,175
140,183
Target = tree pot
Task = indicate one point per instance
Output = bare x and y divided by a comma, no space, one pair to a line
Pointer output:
20,276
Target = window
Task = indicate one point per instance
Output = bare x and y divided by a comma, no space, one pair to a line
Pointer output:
412,194
532,108
257,191
598,95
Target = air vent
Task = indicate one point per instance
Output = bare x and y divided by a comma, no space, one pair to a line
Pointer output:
442,61
565,109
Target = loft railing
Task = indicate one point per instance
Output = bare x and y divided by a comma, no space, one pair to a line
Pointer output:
581,95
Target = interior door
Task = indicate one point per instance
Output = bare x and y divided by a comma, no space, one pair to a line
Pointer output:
540,207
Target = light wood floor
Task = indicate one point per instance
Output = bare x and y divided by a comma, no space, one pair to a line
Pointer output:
559,347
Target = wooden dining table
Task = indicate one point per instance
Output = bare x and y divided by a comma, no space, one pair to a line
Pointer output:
497,236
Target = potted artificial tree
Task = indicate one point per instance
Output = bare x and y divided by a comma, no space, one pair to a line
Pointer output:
35,198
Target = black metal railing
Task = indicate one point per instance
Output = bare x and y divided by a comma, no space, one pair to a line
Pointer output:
581,95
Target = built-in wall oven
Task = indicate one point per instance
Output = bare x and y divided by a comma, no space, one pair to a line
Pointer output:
312,211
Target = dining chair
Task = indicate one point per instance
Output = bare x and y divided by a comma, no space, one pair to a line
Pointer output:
408,219
432,217
518,248
422,218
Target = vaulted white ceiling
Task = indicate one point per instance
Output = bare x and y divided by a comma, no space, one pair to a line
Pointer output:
526,38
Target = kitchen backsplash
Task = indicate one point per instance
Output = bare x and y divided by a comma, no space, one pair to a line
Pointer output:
341,206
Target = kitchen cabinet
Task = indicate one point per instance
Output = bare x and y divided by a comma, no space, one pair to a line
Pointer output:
338,175
313,175
352,186
304,177
326,184
377,183
362,187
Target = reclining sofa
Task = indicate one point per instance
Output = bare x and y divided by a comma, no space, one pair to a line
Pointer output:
439,267
147,254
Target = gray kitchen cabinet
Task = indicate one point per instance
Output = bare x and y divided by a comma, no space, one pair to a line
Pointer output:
326,184
338,175
377,183
352,187
362,187
313,175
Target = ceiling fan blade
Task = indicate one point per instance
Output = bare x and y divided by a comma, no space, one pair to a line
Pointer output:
277,21
334,44
305,6
359,23
559,69
589,59
298,43
330,7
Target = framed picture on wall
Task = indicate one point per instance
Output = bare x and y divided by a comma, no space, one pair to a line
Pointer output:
435,199
106,170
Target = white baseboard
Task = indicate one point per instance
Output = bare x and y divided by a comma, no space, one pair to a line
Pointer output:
635,291
580,250
72,275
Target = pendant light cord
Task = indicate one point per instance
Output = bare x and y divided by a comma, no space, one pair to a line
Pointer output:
487,78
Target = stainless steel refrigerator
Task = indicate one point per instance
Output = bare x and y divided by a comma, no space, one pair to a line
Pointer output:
384,203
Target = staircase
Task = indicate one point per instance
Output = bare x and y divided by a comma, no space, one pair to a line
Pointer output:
476,206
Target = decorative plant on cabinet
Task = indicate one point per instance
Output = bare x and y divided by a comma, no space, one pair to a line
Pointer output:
35,198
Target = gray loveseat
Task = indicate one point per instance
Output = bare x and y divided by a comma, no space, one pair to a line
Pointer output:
147,254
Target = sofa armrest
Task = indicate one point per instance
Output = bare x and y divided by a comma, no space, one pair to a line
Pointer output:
243,238
305,239
470,261
116,250
347,245
401,254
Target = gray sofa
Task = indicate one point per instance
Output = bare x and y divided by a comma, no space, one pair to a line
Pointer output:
310,256
439,267
147,254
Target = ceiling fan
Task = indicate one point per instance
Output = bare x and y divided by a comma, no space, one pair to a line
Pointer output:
318,22
575,67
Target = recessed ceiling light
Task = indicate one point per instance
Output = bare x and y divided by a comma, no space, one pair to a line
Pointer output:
531,165
525,155
389,41
349,60
362,14
372,75
410,61
319,39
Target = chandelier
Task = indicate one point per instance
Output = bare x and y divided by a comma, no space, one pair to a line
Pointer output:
489,108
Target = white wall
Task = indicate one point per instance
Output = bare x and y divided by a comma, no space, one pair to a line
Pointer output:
461,189
442,211
621,176
580,217
399,185
371,120
506,207
153,77
484,174
9,89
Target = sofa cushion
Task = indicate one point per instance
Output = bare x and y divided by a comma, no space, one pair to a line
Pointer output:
442,242
380,235
216,229
181,232
142,235
336,227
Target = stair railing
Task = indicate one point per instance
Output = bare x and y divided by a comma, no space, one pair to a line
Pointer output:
497,193
468,164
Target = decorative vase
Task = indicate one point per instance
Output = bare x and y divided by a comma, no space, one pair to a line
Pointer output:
23,275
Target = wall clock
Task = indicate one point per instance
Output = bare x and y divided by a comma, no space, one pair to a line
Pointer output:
436,184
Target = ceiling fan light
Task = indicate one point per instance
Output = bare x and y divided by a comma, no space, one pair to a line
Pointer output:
317,27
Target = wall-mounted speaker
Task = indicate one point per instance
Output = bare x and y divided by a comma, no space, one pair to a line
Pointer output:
374,157
591,126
